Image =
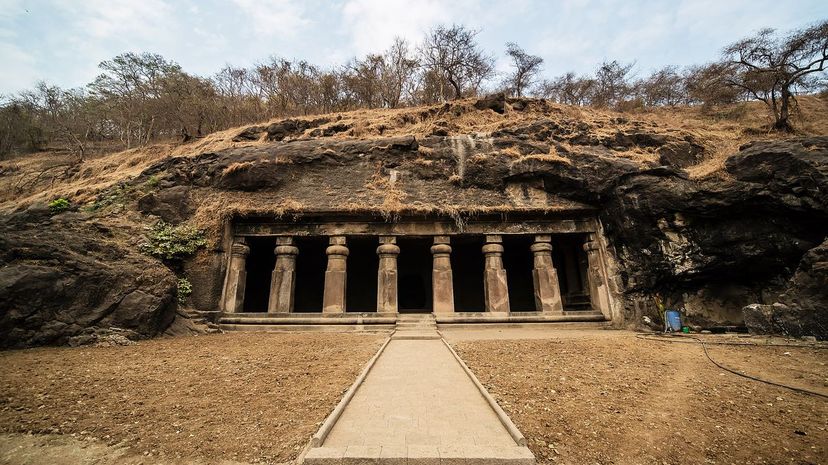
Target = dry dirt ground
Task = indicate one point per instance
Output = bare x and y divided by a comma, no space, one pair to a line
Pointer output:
207,399
608,397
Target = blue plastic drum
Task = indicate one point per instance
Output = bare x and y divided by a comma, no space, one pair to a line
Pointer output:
673,320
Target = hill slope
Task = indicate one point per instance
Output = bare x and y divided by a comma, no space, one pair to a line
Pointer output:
712,213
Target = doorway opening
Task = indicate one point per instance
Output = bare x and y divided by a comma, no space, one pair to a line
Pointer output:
414,275
518,262
310,274
467,263
363,263
259,266
571,263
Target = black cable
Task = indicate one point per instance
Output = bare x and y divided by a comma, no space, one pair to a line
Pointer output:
754,378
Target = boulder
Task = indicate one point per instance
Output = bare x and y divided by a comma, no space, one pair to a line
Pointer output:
494,102
172,205
59,279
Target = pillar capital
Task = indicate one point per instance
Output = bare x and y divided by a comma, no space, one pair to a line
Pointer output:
337,250
541,248
441,249
491,249
388,249
240,249
286,250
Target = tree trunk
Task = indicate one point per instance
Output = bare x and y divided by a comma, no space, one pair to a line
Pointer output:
782,118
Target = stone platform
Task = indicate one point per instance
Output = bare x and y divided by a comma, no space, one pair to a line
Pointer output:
390,321
418,404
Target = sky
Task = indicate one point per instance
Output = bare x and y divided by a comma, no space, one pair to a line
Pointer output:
63,41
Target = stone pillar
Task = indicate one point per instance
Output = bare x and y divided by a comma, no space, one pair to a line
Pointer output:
387,275
441,277
598,294
333,300
283,279
236,278
547,290
495,287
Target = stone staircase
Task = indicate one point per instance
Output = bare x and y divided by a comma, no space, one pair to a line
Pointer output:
416,326
204,320
577,303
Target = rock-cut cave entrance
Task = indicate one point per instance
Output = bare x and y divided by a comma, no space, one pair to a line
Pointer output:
258,267
467,264
363,262
310,274
414,275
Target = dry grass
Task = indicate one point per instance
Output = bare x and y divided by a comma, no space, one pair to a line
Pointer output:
39,178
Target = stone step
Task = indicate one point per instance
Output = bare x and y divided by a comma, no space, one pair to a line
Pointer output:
420,455
416,335
416,323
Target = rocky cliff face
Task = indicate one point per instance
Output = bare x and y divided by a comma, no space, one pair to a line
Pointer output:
753,233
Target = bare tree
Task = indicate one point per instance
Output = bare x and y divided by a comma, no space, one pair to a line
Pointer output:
665,86
452,54
525,69
397,72
771,69
707,84
568,89
611,84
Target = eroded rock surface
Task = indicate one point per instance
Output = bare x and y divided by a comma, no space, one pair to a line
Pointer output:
62,281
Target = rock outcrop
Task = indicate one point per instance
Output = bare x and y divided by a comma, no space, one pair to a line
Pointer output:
62,281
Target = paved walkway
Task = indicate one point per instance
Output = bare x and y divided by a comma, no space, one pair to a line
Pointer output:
417,402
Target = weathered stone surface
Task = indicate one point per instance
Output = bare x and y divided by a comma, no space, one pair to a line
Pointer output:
802,309
680,154
291,128
495,102
59,280
172,205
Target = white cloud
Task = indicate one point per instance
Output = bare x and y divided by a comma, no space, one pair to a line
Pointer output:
274,18
18,70
371,25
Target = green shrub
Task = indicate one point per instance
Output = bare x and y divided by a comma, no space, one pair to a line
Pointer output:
58,205
185,288
169,242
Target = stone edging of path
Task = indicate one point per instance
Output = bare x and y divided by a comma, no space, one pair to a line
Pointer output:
501,415
320,436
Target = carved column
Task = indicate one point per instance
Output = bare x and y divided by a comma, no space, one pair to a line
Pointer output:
441,277
387,275
495,287
236,277
547,290
283,279
598,293
333,300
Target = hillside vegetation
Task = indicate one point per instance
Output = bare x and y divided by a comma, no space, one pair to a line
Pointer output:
44,176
